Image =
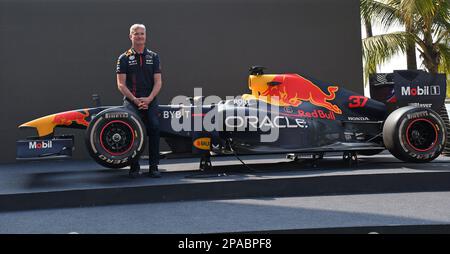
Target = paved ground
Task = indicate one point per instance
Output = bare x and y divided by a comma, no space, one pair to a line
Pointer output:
220,215
238,215
65,175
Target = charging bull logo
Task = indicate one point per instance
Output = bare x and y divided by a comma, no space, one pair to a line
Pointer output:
202,143
68,118
292,90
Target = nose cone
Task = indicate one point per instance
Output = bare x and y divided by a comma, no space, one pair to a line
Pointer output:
43,125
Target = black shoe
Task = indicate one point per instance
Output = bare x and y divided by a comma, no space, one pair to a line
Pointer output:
134,171
153,172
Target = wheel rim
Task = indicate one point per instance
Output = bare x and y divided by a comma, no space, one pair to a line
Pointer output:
421,135
116,137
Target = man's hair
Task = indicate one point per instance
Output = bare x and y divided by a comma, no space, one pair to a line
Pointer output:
136,26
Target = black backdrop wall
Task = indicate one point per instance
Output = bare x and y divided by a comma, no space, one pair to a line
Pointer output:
56,54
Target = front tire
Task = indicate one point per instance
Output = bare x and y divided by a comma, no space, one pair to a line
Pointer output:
414,134
116,137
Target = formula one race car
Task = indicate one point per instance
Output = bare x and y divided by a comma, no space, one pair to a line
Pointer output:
285,113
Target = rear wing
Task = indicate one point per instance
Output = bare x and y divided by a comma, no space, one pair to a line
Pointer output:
409,88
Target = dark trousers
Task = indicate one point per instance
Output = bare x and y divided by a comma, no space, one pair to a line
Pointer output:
151,120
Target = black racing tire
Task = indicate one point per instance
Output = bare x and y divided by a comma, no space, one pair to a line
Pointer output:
444,116
414,134
115,137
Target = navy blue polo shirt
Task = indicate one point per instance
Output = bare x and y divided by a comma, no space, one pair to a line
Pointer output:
139,69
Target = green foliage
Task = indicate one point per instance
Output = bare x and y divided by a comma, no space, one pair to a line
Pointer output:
427,25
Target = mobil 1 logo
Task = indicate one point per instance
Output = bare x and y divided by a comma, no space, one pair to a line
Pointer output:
419,88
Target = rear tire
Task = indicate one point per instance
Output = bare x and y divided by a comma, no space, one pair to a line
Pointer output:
115,137
444,116
414,134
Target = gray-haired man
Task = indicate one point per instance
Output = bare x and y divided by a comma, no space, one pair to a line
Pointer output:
139,80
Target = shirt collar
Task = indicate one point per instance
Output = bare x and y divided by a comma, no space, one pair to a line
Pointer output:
136,53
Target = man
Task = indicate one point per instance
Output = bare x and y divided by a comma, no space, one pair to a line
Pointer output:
139,80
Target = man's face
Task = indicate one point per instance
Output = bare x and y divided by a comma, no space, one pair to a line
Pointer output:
138,36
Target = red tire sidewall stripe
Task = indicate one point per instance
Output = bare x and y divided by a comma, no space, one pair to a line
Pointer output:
101,140
435,139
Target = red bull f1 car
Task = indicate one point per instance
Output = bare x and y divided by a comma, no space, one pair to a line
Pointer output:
305,116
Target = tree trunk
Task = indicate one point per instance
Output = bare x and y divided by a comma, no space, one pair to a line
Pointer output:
431,60
368,26
431,55
411,61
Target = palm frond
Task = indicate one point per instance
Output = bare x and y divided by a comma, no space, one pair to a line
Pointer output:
412,9
442,10
444,65
427,24
380,48
444,54
381,12
441,34
441,21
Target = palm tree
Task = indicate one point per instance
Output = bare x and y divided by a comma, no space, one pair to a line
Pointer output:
427,26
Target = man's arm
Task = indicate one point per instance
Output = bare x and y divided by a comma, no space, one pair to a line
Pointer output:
121,85
121,76
156,87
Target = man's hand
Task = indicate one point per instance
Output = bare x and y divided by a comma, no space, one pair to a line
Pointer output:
138,103
144,102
